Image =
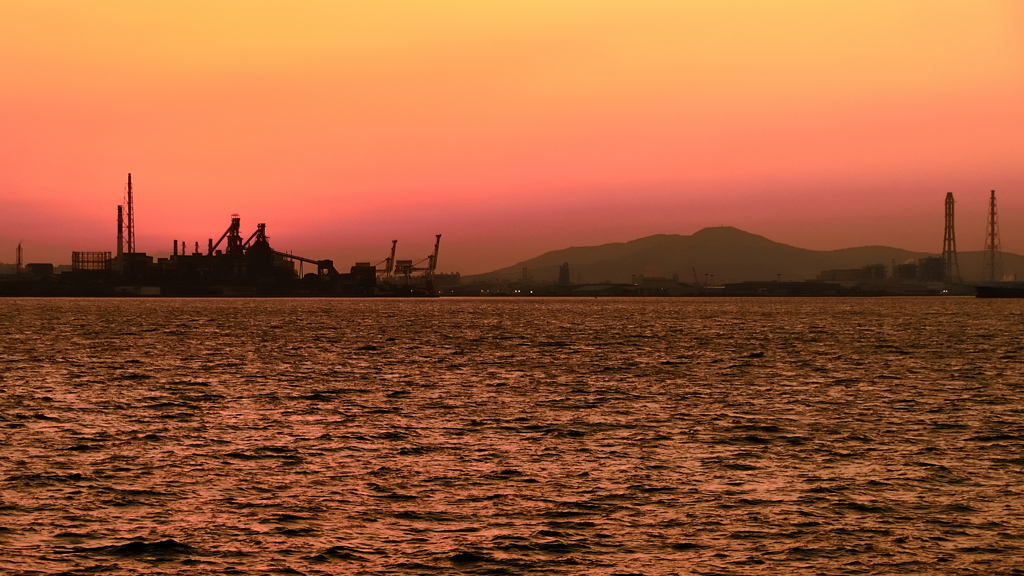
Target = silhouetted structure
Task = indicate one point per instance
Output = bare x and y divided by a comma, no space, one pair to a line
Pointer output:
129,222
931,269
951,273
447,283
661,286
404,282
120,231
232,266
865,273
39,269
992,269
384,274
563,274
905,271
90,261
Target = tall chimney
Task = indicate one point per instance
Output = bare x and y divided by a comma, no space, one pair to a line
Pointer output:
120,231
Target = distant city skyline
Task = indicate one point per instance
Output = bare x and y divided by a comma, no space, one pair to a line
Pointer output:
512,129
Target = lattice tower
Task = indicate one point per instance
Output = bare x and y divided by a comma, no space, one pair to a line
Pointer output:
992,260
951,266
129,221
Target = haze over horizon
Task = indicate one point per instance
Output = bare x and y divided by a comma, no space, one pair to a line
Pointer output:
512,129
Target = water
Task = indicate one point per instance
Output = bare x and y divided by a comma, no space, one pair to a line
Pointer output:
563,436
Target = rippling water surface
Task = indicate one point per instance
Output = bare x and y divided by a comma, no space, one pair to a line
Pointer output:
563,436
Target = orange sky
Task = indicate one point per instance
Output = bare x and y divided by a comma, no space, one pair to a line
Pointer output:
510,127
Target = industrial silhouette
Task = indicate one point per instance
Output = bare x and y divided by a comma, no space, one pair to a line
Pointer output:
236,265
230,266
992,263
951,269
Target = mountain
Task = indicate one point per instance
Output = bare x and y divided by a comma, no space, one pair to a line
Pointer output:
732,255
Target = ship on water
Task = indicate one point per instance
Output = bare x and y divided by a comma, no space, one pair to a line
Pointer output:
231,266
1000,290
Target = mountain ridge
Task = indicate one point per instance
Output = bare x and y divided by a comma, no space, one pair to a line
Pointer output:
728,253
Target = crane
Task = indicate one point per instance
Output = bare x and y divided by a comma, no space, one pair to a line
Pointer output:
433,258
407,267
389,264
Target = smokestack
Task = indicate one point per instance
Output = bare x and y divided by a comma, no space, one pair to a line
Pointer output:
175,247
120,231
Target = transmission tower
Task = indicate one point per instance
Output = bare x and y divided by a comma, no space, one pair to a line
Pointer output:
992,265
951,267
129,222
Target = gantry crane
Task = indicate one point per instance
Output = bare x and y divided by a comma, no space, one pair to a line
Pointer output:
406,268
389,265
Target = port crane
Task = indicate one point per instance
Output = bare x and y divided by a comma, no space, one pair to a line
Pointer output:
389,264
393,268
406,268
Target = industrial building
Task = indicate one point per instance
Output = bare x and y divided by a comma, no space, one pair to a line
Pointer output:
234,265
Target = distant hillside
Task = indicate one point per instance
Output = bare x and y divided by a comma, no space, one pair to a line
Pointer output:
732,255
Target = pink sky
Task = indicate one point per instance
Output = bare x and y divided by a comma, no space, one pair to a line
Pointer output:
510,128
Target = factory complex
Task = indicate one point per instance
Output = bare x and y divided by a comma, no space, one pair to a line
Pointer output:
233,265
246,265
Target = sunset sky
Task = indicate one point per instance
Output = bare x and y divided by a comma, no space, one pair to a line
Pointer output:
510,127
